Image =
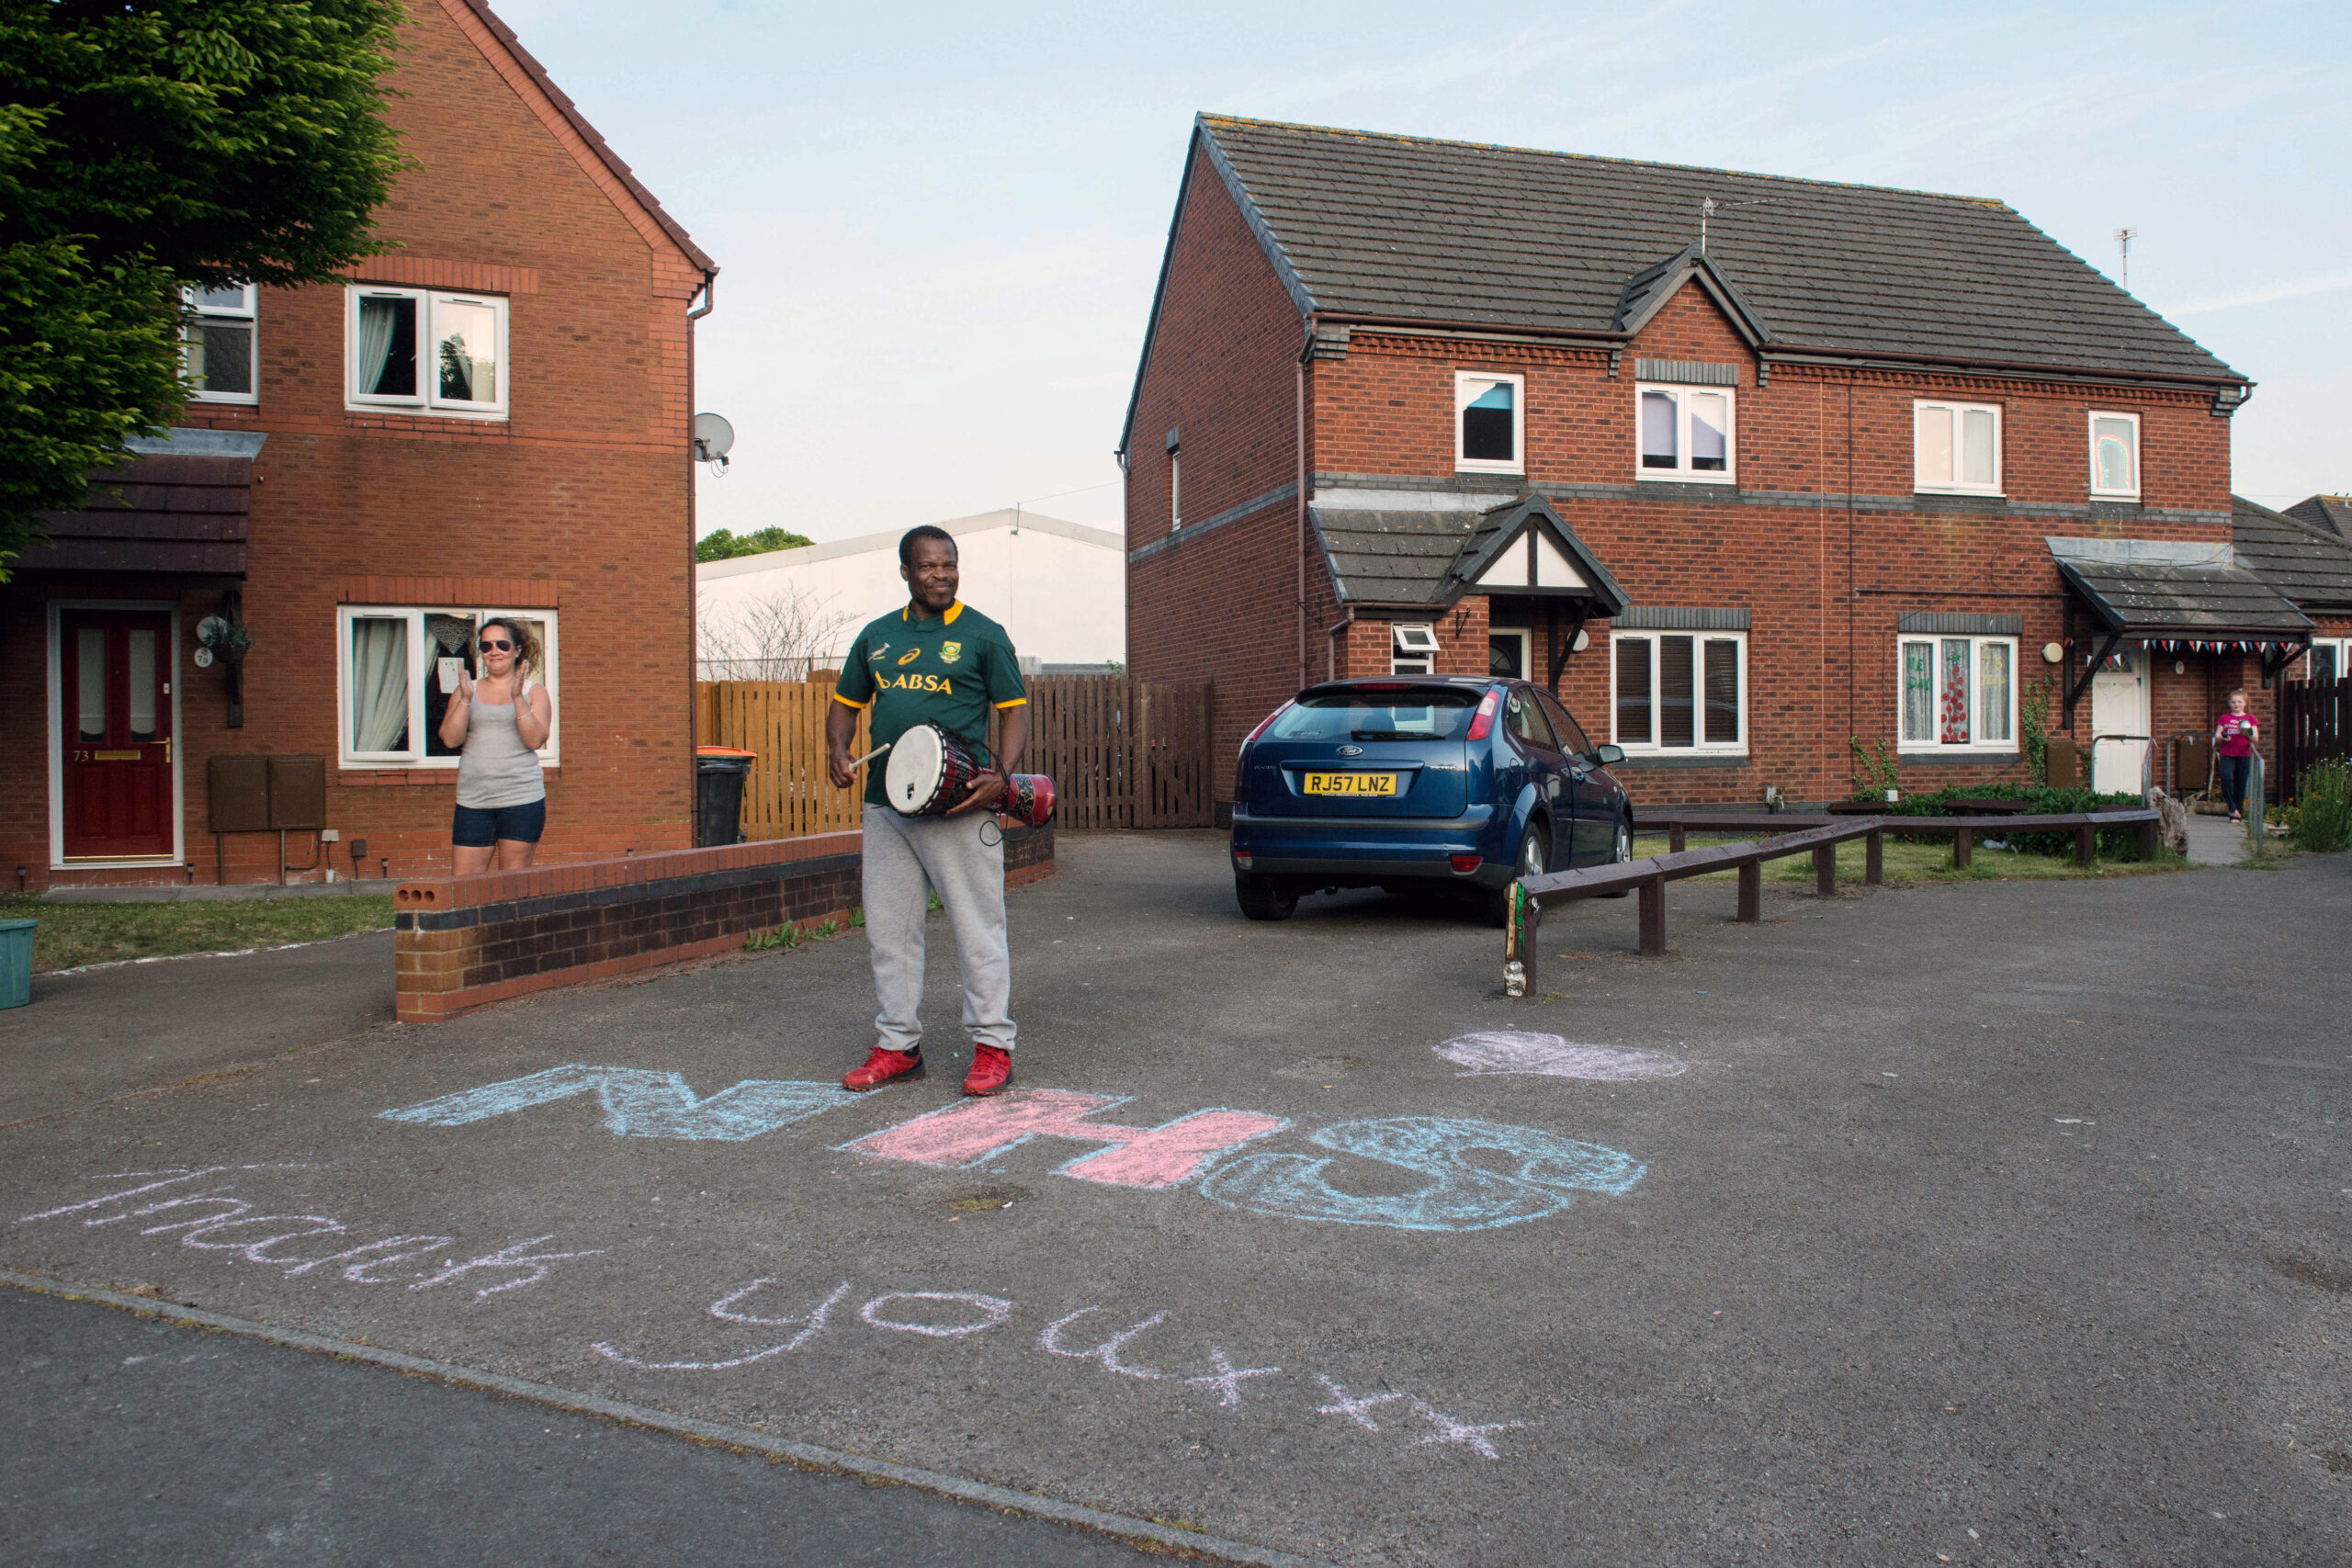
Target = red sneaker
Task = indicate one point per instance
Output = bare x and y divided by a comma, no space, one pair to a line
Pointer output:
991,1071
884,1067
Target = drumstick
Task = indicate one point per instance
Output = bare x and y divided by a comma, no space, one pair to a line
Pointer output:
871,755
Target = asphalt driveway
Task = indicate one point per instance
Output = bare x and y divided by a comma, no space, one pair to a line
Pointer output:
1993,1222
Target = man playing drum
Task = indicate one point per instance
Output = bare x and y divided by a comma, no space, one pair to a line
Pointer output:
936,661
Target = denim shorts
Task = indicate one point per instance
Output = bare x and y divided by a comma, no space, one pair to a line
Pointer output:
477,827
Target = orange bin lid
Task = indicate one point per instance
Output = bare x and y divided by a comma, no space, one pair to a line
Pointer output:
723,751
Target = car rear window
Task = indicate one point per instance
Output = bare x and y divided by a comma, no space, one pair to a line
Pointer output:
1433,713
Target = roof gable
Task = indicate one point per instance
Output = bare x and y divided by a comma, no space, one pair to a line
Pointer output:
2332,512
563,119
1407,229
1647,291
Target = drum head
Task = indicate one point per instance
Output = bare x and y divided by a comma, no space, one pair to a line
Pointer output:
910,780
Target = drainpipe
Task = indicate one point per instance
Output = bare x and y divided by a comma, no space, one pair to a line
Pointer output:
693,626
1299,439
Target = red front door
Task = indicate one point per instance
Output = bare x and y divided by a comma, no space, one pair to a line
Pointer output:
115,702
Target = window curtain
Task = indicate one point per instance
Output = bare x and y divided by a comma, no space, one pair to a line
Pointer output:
378,684
1919,690
375,322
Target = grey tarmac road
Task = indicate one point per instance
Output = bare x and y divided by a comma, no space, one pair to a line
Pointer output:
1994,1222
140,1442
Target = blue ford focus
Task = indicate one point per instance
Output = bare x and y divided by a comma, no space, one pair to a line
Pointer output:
1413,782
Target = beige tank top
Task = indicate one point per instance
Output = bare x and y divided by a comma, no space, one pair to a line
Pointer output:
496,769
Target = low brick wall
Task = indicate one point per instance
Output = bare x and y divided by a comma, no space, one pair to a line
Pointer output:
465,942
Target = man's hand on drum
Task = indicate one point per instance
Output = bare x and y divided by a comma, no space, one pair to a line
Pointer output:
987,788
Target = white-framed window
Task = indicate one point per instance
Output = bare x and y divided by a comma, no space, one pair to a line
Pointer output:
1175,490
1508,653
1678,692
1956,693
1489,424
397,669
2330,660
1412,650
427,351
2115,455
1955,448
1684,433
220,354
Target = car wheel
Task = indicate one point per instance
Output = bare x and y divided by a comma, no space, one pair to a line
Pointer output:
1534,854
1263,900
1621,849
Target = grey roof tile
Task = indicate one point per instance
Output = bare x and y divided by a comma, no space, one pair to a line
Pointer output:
1422,230
2309,565
2332,512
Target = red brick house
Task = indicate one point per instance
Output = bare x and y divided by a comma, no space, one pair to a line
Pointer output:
1746,469
492,417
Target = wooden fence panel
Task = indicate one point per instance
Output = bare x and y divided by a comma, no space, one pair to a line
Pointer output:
2315,726
1123,753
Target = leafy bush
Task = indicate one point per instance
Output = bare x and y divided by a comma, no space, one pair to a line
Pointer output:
2324,807
2117,844
1873,771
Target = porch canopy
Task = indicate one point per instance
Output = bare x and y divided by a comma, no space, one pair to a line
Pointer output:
1405,553
2173,595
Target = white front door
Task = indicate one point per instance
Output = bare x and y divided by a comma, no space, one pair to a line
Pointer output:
2119,707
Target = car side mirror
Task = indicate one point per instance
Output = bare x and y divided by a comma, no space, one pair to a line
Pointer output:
1609,756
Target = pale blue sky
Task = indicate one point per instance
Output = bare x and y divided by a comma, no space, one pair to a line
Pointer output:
939,224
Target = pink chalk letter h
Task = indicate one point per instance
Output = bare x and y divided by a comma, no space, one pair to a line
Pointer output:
975,1130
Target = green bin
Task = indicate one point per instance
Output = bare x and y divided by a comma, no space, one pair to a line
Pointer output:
16,962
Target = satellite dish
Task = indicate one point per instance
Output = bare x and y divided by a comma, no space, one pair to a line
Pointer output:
712,440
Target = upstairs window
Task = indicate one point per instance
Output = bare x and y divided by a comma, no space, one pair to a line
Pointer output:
2115,455
220,354
1957,694
1489,424
1412,650
1678,692
1956,448
1686,433
428,351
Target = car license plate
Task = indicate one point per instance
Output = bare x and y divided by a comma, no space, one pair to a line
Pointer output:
1351,784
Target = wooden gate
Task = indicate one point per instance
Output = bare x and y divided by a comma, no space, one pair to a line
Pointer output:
1122,752
2315,726
788,791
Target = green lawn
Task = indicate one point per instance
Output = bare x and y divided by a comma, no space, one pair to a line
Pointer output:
1926,862
73,935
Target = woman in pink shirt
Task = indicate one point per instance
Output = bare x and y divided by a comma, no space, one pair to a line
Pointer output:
2234,734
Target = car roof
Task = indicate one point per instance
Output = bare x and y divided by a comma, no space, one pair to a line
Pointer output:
1391,682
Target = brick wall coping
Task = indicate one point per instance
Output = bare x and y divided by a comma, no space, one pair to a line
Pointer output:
444,894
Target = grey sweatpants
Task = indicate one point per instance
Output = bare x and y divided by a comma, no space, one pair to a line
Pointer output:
906,857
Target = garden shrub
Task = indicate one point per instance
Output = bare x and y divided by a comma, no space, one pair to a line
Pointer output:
2324,802
2116,843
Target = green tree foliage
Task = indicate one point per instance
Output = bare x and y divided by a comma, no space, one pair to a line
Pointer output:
720,544
148,146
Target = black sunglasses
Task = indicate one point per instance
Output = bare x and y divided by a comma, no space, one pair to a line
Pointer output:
490,647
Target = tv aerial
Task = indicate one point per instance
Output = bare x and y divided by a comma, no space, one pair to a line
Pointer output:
713,438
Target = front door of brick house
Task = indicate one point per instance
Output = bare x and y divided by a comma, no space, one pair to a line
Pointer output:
114,705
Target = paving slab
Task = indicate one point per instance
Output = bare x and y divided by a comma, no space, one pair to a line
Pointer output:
1988,1222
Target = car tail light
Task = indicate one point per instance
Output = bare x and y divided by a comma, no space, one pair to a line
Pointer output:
1465,865
1261,727
1385,686
1241,860
1483,725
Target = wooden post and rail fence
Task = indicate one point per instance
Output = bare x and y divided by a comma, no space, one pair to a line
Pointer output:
1816,836
1122,752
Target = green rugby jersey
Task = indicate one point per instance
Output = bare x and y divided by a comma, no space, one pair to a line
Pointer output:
948,669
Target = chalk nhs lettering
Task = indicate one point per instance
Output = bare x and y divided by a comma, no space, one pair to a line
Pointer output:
1150,1157
1200,1147
1460,1197
639,1103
